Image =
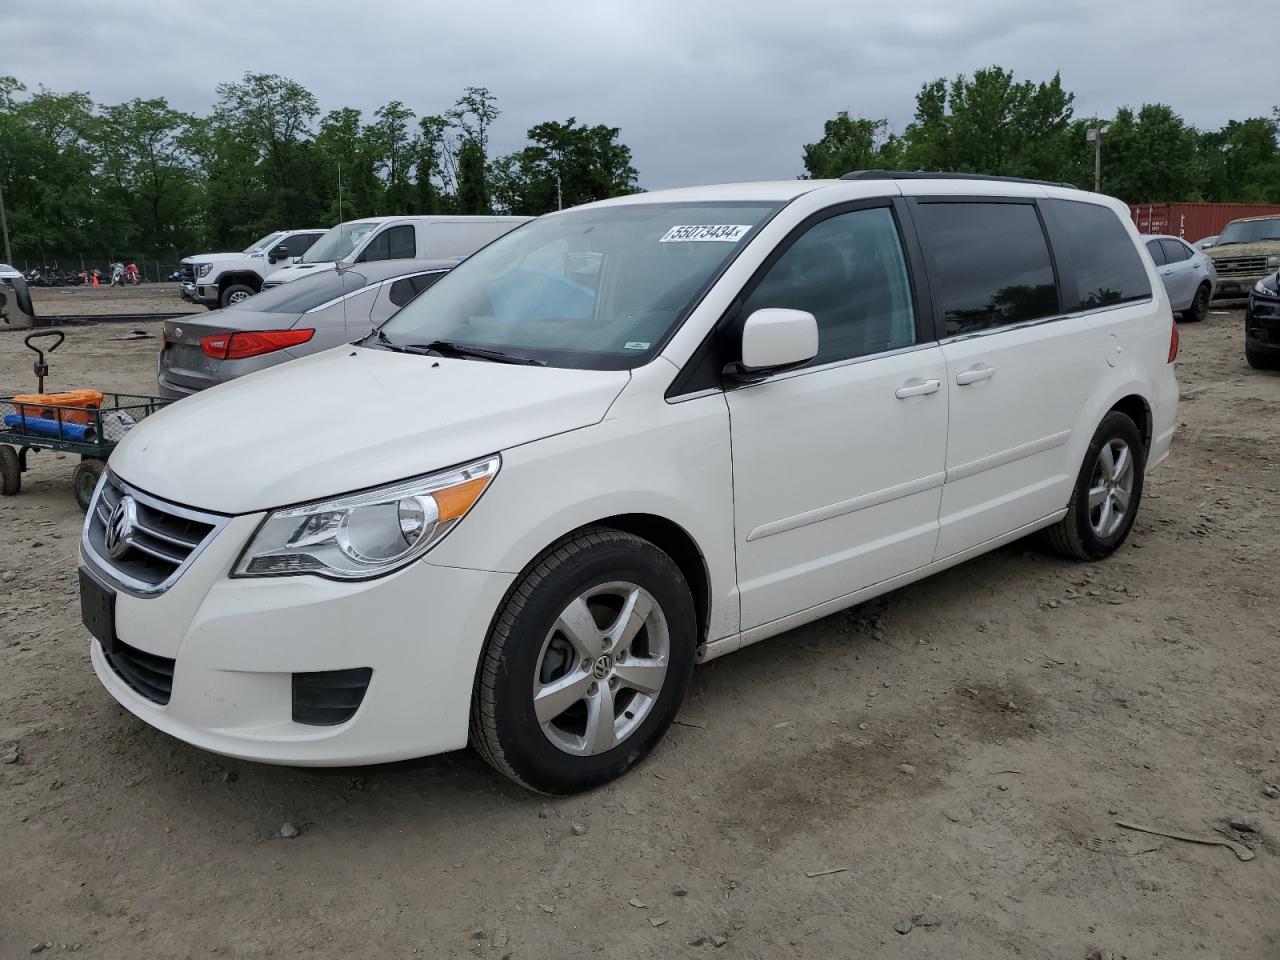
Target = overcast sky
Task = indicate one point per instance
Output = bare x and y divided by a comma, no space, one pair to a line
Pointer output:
703,91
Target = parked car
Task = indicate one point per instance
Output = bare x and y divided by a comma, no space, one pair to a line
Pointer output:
517,514
223,279
1188,274
284,323
398,238
1245,252
1204,243
1262,324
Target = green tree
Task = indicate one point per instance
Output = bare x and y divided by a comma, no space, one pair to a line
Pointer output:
1242,161
1151,155
850,143
394,148
565,164
473,186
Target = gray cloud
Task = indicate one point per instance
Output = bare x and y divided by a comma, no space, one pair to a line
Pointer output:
703,92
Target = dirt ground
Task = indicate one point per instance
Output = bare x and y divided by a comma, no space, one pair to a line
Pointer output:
1033,702
144,298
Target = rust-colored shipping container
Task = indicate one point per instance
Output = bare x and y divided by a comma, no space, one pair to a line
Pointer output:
1195,221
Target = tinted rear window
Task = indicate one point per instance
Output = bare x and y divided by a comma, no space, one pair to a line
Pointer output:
989,262
1107,266
303,294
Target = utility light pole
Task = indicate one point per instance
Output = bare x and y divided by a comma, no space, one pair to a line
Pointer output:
1094,135
4,227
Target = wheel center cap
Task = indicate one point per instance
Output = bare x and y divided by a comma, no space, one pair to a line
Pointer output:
603,667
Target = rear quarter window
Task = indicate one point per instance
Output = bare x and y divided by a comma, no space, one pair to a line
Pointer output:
1103,261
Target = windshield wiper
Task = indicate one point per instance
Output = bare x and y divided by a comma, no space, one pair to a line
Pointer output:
449,348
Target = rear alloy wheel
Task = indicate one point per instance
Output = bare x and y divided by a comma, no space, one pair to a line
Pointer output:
84,480
1107,493
235,293
587,663
1199,308
10,471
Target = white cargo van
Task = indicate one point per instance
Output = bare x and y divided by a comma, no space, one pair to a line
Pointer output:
397,238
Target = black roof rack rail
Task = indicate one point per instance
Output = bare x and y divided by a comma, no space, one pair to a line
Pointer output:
940,175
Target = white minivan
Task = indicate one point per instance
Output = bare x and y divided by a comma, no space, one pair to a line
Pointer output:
397,238
617,441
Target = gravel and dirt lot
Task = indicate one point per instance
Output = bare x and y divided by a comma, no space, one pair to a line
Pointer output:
937,774
144,298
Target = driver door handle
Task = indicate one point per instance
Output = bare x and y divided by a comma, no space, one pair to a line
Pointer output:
918,389
975,374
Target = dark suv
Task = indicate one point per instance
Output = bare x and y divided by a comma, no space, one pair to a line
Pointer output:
1262,324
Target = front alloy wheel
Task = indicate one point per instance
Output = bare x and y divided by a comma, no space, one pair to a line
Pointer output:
602,668
586,664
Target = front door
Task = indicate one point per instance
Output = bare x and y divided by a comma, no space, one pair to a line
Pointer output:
838,466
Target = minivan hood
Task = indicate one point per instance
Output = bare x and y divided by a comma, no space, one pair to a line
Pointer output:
347,419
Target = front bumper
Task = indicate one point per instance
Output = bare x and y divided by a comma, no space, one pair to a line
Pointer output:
1236,288
236,644
188,291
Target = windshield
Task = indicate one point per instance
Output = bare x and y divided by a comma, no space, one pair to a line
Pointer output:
266,243
338,243
303,294
595,289
1249,231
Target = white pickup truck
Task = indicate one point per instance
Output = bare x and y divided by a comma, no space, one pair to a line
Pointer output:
221,279
398,238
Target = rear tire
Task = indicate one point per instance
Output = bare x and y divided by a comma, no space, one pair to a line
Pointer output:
604,622
85,480
234,293
10,471
1199,308
1107,493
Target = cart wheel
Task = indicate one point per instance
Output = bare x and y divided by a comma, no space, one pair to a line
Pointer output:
85,480
10,471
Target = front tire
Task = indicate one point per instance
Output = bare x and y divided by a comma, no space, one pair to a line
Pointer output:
234,293
586,664
1259,360
1107,493
1199,308
10,471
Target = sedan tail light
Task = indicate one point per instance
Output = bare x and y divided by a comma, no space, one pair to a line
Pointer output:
251,343
1173,343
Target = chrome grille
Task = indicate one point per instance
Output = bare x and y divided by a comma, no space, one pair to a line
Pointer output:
160,543
188,273
1240,266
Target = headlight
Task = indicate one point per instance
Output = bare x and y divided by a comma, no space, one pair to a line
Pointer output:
1273,262
202,269
366,534
1268,286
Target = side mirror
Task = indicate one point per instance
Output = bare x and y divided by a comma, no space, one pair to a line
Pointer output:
279,252
773,340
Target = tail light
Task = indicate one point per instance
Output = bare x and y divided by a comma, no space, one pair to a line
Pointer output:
252,343
1173,343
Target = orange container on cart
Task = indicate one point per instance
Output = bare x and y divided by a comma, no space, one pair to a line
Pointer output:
74,406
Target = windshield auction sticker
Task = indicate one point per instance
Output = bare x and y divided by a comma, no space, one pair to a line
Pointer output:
725,232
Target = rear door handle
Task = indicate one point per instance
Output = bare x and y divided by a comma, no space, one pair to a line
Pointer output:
974,374
918,389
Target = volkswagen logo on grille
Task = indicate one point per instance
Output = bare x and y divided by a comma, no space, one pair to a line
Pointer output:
119,535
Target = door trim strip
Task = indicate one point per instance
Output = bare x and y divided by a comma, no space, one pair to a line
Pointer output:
852,505
1004,457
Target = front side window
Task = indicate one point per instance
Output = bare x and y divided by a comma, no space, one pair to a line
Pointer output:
989,263
599,288
394,243
300,243
849,271
338,243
